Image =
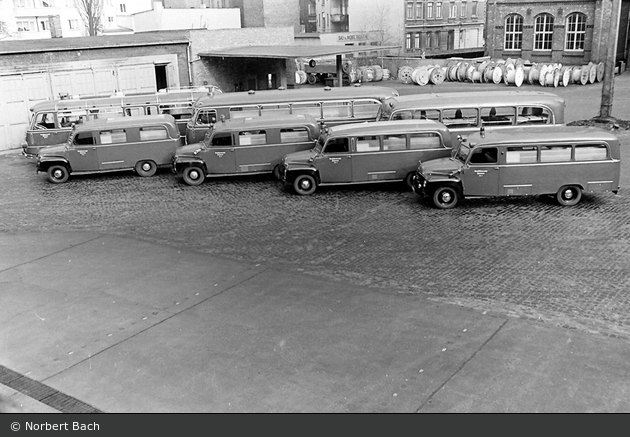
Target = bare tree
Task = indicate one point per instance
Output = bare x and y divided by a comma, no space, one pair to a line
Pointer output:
91,12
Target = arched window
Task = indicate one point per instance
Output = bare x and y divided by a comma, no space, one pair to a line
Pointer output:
575,32
514,32
543,32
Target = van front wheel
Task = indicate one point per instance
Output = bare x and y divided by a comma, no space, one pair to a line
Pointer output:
304,184
193,175
58,174
146,168
445,197
569,195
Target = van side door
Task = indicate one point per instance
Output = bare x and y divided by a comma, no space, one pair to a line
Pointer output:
480,176
221,157
82,153
250,154
113,149
335,162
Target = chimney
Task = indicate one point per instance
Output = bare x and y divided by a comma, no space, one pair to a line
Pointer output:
54,21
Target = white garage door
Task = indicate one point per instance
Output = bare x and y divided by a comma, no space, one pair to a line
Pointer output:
137,79
17,93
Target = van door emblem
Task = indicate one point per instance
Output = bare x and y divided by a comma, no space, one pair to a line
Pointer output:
481,173
335,160
219,154
45,135
83,152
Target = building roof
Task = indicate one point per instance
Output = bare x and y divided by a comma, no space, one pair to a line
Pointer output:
15,47
290,51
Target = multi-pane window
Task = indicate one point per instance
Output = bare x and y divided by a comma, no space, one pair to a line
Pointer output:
473,12
438,10
409,10
462,10
514,32
408,41
25,26
419,7
123,8
417,40
575,32
73,24
452,13
543,32
430,10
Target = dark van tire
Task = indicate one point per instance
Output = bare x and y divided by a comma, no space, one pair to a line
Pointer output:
146,168
409,181
304,184
193,175
445,197
58,173
569,195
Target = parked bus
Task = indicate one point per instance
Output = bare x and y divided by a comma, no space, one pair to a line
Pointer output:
465,112
560,161
52,120
333,105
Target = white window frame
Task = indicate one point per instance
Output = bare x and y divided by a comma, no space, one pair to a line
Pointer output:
511,29
543,32
573,32
438,9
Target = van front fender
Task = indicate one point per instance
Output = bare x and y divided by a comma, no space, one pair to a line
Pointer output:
44,162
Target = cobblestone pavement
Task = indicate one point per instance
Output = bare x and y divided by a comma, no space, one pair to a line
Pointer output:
524,257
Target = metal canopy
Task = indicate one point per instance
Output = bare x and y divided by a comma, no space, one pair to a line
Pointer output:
290,51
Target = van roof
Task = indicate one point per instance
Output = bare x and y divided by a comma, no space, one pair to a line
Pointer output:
469,99
386,127
121,122
266,121
540,135
294,95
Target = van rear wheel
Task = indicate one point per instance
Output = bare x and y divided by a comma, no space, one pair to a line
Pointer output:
445,197
569,195
304,184
193,175
146,168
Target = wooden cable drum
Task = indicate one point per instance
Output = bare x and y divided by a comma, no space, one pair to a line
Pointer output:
565,76
508,68
420,75
461,71
514,75
312,78
470,71
542,76
452,73
300,77
404,74
600,72
556,77
585,73
592,73
378,73
346,67
548,79
534,73
488,72
436,75
497,74
576,73
353,75
386,74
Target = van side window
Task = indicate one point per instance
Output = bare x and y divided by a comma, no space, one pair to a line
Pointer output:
313,109
276,109
250,138
178,111
533,115
222,139
589,152
366,109
206,117
425,141
555,153
500,115
518,154
337,145
465,117
244,111
426,114
153,133
113,136
68,118
294,135
45,120
486,155
83,138
130,112
368,144
394,142
402,115
336,109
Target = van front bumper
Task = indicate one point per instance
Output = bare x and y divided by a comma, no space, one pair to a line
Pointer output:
418,184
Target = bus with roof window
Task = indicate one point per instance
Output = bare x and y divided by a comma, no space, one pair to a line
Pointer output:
464,113
331,105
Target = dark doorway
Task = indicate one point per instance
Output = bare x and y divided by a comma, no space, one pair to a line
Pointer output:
160,77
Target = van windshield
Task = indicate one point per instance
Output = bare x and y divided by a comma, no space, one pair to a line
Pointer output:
463,151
